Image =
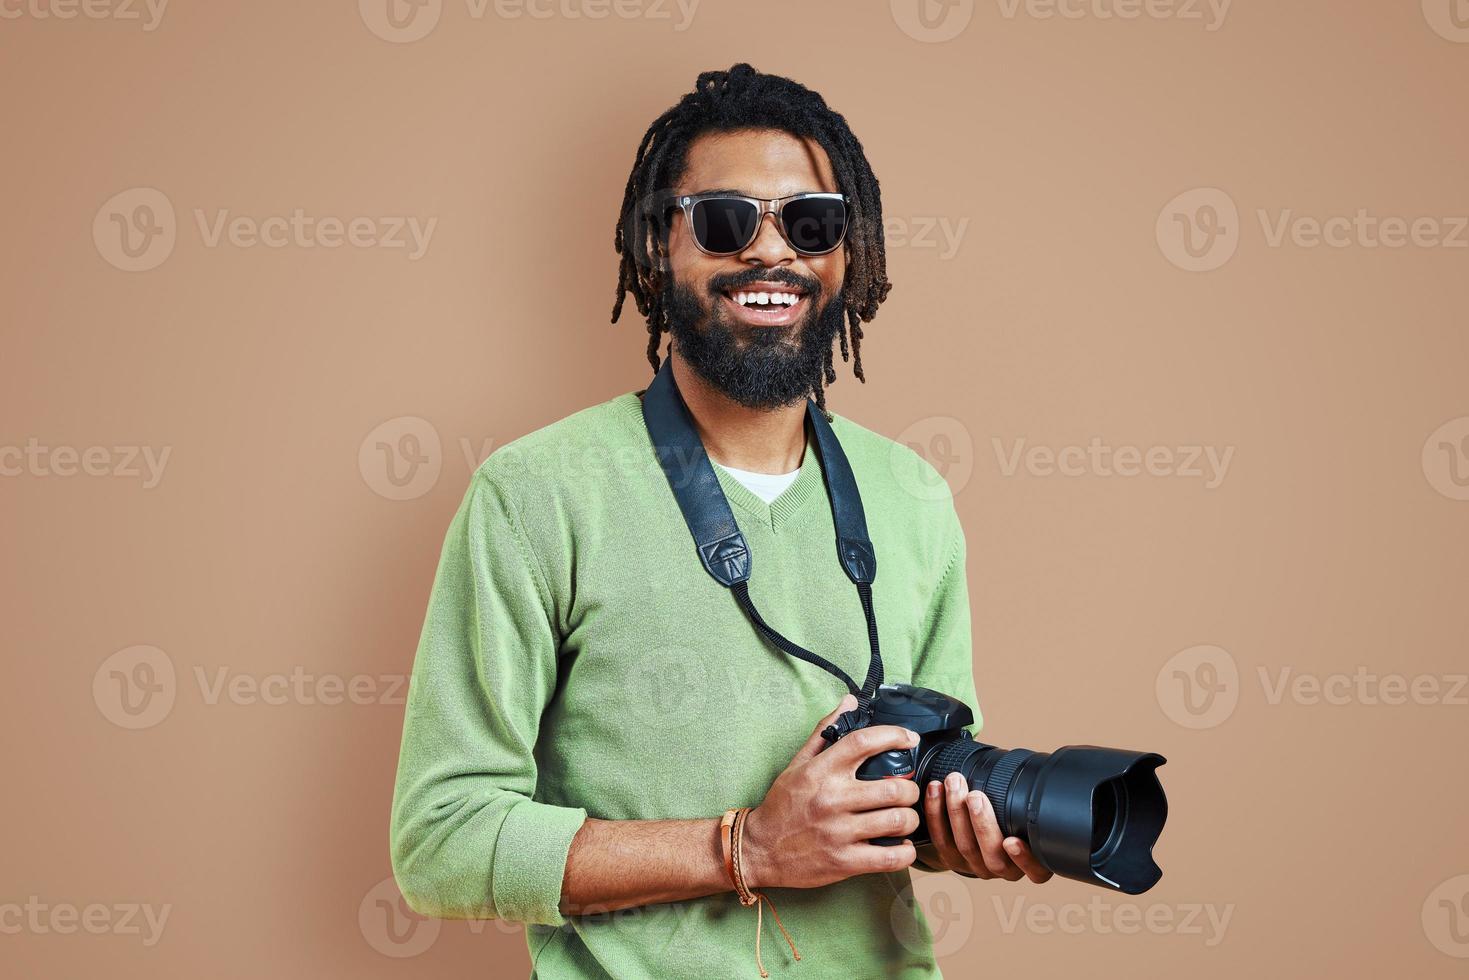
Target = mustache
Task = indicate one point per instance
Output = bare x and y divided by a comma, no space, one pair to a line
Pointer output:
748,277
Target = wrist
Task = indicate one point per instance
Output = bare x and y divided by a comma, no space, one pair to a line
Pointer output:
755,864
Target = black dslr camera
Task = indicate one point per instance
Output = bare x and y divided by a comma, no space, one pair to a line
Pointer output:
1088,813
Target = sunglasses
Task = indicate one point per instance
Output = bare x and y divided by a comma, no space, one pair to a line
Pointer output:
724,224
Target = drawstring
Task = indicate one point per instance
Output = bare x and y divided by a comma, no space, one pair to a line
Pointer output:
731,840
760,900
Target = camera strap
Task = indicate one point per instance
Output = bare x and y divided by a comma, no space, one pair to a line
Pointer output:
721,546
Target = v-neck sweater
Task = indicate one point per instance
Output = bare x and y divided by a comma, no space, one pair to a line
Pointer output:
576,660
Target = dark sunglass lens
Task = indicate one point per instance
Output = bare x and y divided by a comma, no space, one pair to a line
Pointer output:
723,225
815,224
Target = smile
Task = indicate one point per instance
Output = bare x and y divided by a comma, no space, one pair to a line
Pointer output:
766,304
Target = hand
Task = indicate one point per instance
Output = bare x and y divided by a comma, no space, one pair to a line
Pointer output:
966,835
817,818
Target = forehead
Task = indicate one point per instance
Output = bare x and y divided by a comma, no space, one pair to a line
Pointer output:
759,162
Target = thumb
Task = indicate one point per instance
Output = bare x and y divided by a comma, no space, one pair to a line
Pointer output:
816,743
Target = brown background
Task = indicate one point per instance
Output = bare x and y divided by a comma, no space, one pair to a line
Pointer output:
1329,833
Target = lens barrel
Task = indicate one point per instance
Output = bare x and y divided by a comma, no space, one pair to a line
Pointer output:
1088,813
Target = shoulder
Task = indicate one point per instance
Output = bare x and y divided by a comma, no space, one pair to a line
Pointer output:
892,469
587,445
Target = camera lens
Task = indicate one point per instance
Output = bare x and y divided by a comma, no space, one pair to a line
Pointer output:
1088,813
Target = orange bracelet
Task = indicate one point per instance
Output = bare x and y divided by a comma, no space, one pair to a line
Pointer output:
731,839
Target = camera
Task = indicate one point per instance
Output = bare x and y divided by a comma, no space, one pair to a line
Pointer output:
1088,813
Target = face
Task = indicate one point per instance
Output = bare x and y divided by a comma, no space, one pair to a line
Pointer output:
762,356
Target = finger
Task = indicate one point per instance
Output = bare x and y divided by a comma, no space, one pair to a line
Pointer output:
966,842
897,821
878,794
987,830
861,859
937,819
863,744
1026,861
816,743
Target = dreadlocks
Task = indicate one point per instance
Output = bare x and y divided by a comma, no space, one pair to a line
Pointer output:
743,98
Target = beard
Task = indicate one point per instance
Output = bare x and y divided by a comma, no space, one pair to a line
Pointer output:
758,367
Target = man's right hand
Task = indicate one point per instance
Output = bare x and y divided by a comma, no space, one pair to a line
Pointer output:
814,825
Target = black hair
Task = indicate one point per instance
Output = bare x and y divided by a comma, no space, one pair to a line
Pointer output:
743,98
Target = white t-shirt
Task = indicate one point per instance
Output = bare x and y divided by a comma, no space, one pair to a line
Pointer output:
766,486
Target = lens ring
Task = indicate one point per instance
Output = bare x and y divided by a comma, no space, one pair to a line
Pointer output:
997,785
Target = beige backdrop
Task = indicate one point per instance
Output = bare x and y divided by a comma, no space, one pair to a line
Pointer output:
1179,312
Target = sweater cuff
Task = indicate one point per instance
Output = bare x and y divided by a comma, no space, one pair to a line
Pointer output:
530,861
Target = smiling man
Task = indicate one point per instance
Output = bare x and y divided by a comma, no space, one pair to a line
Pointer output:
600,741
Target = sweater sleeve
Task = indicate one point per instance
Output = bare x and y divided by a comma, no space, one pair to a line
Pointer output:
945,661
467,838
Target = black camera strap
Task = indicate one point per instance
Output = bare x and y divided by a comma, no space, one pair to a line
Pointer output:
721,545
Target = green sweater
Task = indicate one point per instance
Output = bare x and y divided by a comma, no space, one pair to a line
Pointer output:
576,660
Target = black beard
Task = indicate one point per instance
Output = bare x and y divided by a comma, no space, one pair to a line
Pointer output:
758,367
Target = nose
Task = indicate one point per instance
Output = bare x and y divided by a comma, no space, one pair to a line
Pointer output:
768,247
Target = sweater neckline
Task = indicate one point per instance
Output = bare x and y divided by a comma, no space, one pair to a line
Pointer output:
785,508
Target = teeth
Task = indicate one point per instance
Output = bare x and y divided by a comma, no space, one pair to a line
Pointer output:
765,299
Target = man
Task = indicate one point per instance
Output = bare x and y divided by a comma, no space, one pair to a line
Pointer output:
587,701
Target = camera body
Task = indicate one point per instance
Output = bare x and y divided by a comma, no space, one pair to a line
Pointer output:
940,722
1087,812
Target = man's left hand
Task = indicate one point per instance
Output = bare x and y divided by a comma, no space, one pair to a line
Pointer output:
966,836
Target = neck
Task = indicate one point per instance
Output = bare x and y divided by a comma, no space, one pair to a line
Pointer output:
754,439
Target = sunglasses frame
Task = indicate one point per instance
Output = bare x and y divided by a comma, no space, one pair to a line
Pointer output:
772,205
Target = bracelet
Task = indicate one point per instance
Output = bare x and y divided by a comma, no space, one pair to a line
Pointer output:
731,840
